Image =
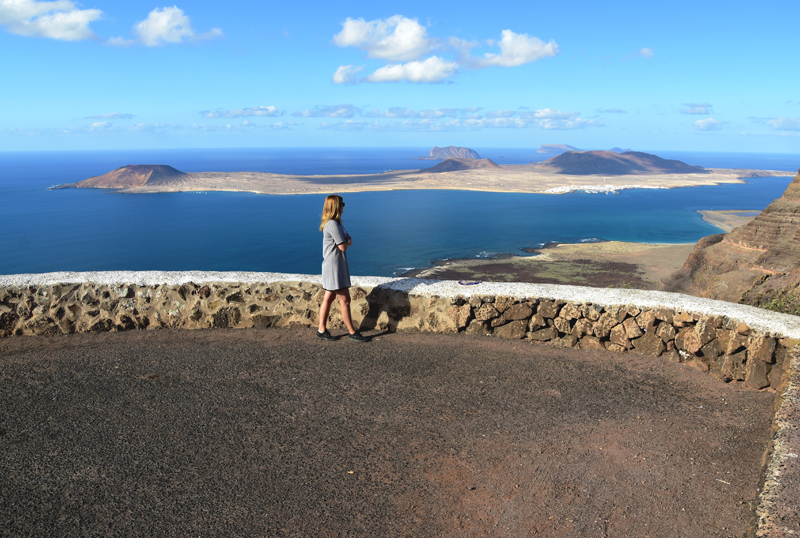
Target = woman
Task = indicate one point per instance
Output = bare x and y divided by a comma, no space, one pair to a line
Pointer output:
335,272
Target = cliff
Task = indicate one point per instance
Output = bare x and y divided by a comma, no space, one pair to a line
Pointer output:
756,264
453,164
438,154
616,164
132,175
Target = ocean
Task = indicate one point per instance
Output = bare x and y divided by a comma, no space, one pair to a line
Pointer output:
93,230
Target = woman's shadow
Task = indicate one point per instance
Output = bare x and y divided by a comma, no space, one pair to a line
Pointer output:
394,302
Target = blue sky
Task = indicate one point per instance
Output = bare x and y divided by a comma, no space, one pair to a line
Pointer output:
705,76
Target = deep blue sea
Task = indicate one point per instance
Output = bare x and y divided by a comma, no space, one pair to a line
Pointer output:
82,230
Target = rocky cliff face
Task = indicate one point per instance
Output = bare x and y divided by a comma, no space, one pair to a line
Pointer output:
757,264
438,154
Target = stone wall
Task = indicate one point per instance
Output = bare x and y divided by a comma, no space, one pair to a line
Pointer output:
724,347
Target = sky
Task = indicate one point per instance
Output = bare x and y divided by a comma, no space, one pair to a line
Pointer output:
682,76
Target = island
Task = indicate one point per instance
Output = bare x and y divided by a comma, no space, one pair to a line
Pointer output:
439,154
556,149
604,264
591,171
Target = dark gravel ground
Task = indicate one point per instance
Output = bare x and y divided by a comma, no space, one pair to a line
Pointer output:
272,433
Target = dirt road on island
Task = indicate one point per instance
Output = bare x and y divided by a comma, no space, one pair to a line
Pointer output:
272,433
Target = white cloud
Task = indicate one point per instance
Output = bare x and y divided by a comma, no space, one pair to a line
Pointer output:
103,128
120,42
168,25
568,124
464,119
111,116
784,124
211,34
242,127
396,39
110,128
55,20
435,113
269,111
463,48
502,114
347,74
337,111
405,42
352,125
454,124
612,111
519,49
396,112
709,124
550,114
548,118
481,123
646,52
697,108
433,69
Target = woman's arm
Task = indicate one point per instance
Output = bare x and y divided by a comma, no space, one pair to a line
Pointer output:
347,240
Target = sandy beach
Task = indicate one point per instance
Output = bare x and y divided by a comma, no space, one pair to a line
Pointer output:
729,219
529,178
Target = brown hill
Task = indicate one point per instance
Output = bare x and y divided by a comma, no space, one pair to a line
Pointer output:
609,163
757,264
132,175
438,154
453,164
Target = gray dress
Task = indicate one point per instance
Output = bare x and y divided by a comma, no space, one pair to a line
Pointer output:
335,272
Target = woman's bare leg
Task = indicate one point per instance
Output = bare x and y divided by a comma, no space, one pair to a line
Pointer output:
325,309
344,305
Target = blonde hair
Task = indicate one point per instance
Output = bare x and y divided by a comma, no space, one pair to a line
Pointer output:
332,210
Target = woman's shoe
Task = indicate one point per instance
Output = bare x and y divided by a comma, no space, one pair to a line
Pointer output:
325,336
358,337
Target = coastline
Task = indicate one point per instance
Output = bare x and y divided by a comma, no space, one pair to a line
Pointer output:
729,219
600,264
528,178
591,263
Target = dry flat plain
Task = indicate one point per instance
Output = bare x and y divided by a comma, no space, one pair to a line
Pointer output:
528,178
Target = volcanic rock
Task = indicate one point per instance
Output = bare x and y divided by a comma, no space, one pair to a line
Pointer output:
610,163
756,264
132,175
453,164
438,154
555,149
